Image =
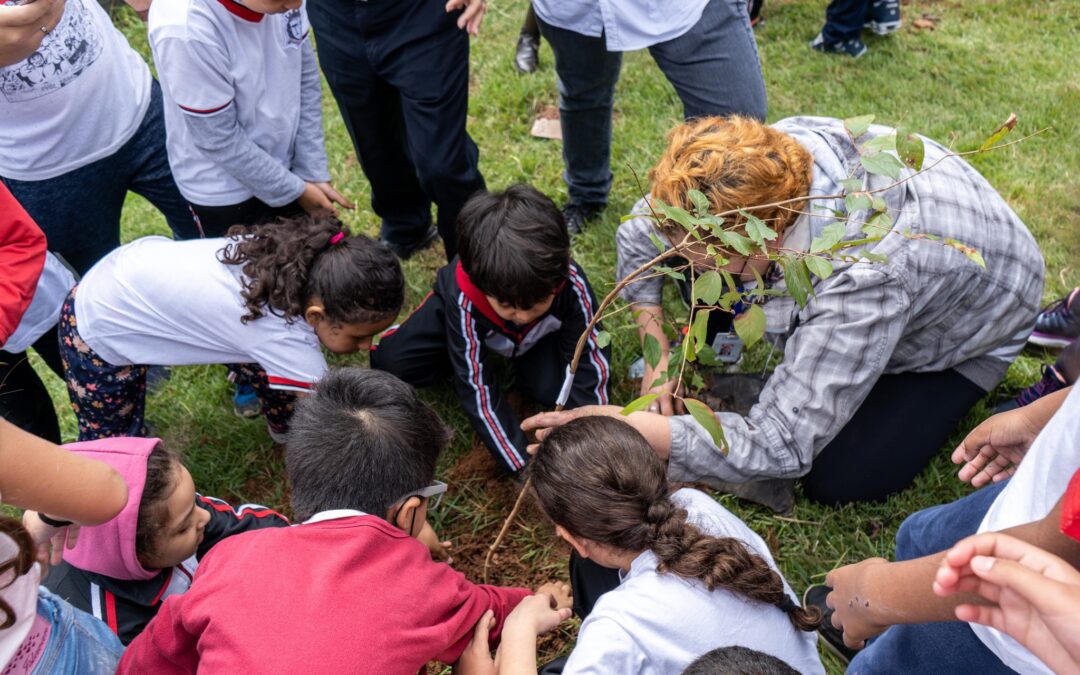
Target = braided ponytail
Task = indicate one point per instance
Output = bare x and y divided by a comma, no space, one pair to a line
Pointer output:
291,261
598,478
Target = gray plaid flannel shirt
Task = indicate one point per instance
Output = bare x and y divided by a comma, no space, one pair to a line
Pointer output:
927,309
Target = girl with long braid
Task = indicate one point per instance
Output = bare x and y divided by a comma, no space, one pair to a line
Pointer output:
693,576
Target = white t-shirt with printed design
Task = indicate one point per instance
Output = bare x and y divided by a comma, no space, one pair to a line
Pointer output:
217,54
75,100
157,301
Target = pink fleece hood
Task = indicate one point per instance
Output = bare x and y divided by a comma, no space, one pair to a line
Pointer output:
109,549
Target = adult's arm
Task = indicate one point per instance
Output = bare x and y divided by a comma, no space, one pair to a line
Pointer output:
832,360
993,450
21,28
41,476
874,594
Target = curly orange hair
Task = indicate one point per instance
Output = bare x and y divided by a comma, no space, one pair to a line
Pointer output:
737,162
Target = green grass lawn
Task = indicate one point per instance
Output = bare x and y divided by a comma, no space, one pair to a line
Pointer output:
955,83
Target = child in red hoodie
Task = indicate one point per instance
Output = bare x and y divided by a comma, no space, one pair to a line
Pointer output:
350,588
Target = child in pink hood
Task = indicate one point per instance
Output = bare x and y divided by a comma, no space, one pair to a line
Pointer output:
122,570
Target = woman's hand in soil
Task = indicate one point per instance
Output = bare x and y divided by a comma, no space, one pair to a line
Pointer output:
560,594
852,607
1034,596
440,550
476,659
536,615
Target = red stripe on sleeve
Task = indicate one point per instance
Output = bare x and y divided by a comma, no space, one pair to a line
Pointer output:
110,612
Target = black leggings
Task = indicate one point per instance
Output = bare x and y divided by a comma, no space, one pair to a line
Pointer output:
893,435
24,400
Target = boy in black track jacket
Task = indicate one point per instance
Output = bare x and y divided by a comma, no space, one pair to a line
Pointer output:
515,291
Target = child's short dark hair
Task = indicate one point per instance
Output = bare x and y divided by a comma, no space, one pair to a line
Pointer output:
738,661
291,261
161,467
514,245
362,441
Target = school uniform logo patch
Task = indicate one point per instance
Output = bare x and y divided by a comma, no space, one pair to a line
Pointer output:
69,49
294,28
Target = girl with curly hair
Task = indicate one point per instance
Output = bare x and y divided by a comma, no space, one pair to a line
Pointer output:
265,301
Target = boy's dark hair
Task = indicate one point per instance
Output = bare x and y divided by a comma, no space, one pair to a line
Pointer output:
599,478
738,661
288,262
161,468
514,245
363,440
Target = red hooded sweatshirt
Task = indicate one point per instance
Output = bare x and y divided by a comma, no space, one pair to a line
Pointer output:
347,595
22,256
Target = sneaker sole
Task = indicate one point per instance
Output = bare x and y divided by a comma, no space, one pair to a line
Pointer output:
885,28
1045,340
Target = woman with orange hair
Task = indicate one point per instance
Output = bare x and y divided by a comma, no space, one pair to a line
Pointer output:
886,357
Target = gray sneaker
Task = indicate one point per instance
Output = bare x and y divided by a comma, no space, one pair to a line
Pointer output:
883,17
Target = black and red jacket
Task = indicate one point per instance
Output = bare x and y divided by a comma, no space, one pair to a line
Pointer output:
127,606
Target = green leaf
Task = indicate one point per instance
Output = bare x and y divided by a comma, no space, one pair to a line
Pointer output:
638,404
856,201
728,300
705,417
660,246
750,325
798,280
857,126
699,330
757,230
708,287
877,202
700,201
851,184
832,235
873,257
674,274
651,349
603,339
999,133
972,254
696,381
878,225
669,331
882,164
680,216
707,357
879,144
820,267
736,241
910,147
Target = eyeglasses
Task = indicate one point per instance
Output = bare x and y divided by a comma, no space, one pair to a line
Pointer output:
435,492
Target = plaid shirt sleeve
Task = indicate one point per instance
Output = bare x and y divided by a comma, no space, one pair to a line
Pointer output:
634,248
839,349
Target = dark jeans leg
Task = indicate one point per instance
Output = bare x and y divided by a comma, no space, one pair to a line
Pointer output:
432,76
844,19
416,350
215,221
587,75
947,647
529,26
897,430
714,67
24,400
149,174
371,109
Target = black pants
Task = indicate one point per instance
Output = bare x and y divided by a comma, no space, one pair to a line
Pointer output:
215,221
399,70
24,400
893,435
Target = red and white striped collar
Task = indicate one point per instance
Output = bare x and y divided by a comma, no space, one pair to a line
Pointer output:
245,13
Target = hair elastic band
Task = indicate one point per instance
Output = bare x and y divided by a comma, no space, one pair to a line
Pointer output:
337,238
787,605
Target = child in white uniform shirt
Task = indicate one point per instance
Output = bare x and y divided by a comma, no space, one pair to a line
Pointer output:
243,109
693,576
263,301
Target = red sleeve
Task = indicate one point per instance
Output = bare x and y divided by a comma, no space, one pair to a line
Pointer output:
165,646
22,257
1070,508
473,601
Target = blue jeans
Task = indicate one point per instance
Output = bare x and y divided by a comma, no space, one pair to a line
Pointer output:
844,20
79,211
946,647
78,643
714,68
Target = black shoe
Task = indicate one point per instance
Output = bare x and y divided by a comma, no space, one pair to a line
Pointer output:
527,54
833,638
404,252
576,215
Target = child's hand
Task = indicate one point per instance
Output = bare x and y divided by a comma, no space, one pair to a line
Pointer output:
536,615
476,659
559,592
472,17
993,450
48,540
440,550
852,612
319,198
1034,596
334,196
